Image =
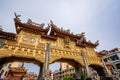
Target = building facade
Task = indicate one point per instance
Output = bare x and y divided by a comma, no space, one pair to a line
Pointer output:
65,70
16,73
68,70
6,67
114,56
4,71
112,61
60,74
30,76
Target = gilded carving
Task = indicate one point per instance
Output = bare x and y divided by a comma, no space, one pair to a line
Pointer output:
66,40
30,44
28,39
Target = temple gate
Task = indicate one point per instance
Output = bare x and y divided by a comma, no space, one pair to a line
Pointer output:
30,41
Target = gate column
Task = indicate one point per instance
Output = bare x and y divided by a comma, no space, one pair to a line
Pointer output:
40,73
46,62
108,76
87,73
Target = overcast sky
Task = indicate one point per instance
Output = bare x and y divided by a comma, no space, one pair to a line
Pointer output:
99,19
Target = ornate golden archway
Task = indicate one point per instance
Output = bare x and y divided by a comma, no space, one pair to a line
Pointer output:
30,43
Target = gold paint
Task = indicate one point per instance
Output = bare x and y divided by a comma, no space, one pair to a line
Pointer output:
32,46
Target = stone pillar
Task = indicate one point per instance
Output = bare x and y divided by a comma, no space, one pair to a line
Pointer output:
87,73
46,62
106,69
108,76
77,73
115,68
40,73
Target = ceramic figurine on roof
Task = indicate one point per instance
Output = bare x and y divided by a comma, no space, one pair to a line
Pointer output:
35,24
52,24
97,42
29,21
17,17
30,26
68,30
1,28
83,39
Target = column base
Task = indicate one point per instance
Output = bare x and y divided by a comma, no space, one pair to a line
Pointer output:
109,78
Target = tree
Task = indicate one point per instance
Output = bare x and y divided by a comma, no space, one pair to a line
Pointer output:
68,78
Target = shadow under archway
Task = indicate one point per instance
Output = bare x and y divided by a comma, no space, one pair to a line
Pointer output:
99,69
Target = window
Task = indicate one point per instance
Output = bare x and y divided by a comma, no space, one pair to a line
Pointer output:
67,66
72,70
114,58
118,66
105,60
6,73
9,65
1,72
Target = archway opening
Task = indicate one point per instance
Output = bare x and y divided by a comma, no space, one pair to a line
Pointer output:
14,67
66,68
99,69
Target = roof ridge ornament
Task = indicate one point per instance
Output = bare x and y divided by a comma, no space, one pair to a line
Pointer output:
51,21
89,41
82,40
60,29
81,34
52,24
97,42
17,17
29,21
35,24
1,29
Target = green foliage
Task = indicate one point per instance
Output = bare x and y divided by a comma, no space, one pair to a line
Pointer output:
68,78
82,75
